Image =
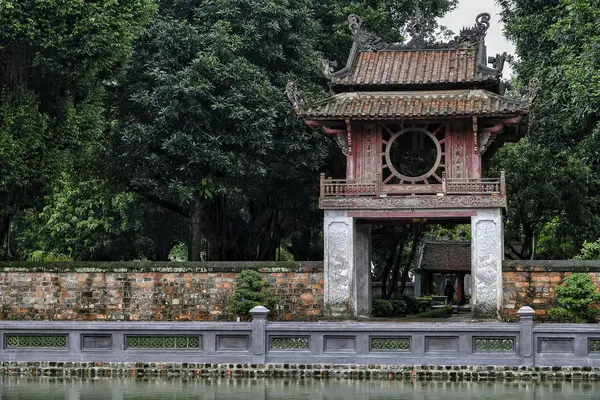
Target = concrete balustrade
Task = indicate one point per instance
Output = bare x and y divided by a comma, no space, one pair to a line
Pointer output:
263,342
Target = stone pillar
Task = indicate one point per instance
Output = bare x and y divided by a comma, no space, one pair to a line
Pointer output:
417,289
527,347
487,250
259,339
362,292
338,232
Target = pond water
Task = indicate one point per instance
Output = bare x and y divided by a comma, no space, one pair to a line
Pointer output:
301,389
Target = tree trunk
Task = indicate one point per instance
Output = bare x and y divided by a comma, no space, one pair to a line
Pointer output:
194,246
5,235
527,251
394,282
418,235
386,270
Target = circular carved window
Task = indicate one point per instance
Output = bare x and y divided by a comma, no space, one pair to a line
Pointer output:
413,154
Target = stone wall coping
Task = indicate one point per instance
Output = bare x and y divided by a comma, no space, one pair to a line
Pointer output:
159,266
390,327
559,328
272,326
551,265
125,325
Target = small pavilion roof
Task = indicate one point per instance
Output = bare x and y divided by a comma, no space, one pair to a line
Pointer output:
459,63
451,256
415,68
413,104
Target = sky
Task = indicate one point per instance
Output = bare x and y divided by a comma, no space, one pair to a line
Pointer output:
465,15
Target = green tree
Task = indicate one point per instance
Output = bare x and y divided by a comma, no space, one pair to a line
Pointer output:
57,56
86,220
542,186
204,100
557,42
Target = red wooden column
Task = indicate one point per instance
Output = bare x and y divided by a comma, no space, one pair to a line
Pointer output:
460,289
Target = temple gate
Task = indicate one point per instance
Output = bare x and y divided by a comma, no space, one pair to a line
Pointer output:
417,122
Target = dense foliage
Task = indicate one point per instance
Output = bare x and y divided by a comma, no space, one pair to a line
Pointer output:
131,127
128,128
553,176
57,57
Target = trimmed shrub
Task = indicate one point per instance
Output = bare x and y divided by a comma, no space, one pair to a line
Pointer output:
398,308
251,291
388,308
382,308
412,304
425,303
578,299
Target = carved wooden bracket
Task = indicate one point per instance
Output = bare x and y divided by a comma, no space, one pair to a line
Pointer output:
487,136
342,136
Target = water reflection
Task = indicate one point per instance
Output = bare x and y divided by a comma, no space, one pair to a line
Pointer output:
299,389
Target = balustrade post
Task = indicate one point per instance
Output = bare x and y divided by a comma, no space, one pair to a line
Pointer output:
444,189
527,347
259,335
322,185
502,183
378,184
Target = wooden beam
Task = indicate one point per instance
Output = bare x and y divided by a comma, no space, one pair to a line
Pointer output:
411,215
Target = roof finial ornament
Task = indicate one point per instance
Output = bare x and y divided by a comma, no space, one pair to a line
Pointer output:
364,39
327,68
469,37
498,62
416,29
295,96
354,23
482,22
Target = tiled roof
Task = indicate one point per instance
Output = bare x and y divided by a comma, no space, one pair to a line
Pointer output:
416,67
446,256
421,104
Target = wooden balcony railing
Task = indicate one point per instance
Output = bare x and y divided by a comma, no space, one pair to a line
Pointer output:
457,186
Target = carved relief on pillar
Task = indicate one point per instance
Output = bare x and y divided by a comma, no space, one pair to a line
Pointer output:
487,264
338,264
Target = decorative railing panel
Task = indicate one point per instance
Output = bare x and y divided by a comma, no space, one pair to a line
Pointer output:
341,188
390,344
494,344
455,186
290,343
163,342
36,341
473,186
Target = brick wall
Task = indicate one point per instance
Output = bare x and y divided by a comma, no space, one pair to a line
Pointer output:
150,291
532,283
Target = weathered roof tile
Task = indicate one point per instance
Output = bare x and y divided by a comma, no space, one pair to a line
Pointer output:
416,67
415,104
451,256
